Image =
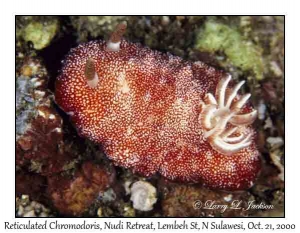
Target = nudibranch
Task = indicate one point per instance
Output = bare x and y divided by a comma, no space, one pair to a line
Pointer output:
154,112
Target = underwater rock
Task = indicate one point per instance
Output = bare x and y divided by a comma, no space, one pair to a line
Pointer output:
25,207
30,184
191,201
218,37
95,26
40,31
39,137
72,195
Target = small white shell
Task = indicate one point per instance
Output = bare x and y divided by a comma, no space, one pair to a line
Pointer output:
143,196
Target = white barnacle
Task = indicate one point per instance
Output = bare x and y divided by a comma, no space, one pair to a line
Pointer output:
224,125
143,195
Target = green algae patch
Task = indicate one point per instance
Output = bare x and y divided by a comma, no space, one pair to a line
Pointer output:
242,53
40,34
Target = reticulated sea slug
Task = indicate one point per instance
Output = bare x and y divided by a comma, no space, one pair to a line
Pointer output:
154,112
